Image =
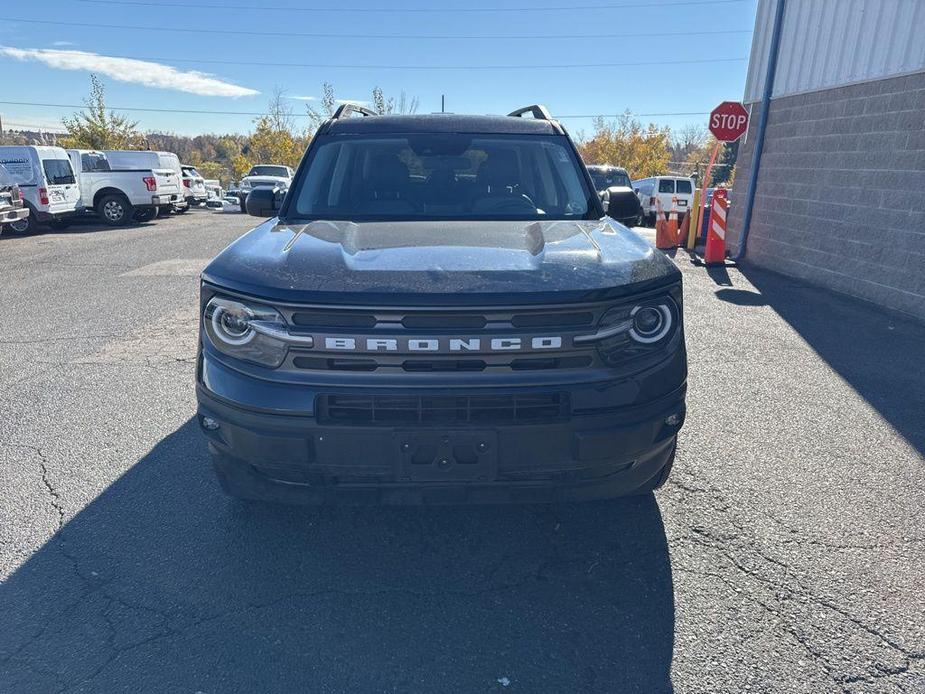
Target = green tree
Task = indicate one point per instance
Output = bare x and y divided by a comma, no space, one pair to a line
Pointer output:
97,128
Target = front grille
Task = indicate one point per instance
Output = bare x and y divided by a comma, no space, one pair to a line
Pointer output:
397,410
401,324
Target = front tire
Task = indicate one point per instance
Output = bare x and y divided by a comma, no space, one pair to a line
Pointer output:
115,210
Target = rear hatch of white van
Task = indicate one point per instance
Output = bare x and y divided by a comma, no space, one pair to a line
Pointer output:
61,185
681,188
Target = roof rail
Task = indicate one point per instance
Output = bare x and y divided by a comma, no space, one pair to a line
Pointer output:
344,111
538,111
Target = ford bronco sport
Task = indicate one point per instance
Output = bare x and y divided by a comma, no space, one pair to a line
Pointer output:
440,312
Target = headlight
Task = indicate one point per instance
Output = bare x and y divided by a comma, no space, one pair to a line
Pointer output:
244,331
651,323
630,331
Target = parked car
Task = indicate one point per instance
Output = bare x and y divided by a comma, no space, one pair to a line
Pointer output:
451,320
194,186
664,188
47,183
263,176
12,209
213,189
121,196
615,189
134,160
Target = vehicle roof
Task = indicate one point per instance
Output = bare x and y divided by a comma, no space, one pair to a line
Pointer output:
442,123
38,149
606,167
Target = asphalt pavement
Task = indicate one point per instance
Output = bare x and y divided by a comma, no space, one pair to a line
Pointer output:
786,553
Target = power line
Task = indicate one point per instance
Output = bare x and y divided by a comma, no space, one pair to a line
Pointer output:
305,115
413,10
328,35
341,66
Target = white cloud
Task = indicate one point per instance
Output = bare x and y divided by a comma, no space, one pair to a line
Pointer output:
64,43
358,102
129,70
303,98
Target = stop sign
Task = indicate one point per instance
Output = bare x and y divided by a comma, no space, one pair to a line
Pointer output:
728,121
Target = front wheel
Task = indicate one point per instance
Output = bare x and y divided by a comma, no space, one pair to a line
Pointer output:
115,210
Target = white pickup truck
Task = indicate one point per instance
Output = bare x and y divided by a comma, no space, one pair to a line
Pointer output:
264,176
123,196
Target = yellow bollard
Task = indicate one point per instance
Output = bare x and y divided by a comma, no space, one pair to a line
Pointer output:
696,222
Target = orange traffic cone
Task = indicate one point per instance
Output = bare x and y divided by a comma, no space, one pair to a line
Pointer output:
684,228
671,232
661,240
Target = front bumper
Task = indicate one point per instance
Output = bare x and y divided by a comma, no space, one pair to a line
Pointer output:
302,458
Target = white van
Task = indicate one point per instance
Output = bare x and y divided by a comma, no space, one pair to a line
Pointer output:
664,188
48,185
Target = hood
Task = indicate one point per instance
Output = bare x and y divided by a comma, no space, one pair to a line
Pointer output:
458,263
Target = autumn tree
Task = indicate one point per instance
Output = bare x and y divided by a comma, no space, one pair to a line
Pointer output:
275,139
97,128
642,150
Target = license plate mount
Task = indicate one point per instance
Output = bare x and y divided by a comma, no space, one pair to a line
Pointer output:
447,456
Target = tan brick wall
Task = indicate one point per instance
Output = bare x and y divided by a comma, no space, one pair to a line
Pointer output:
841,192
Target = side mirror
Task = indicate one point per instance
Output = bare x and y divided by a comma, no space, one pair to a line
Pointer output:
264,202
623,206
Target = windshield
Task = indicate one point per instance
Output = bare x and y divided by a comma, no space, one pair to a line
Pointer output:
608,178
443,176
190,171
269,171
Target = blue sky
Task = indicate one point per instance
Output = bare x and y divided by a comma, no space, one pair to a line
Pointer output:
33,56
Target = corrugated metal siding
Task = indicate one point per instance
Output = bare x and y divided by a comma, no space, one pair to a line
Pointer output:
831,43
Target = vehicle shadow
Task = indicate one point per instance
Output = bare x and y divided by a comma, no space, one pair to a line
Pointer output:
162,584
878,353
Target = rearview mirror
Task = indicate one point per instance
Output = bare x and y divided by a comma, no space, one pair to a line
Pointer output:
264,202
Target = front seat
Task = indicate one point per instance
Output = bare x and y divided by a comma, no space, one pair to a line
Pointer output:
386,187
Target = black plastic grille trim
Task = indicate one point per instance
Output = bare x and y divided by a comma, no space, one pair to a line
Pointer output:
397,410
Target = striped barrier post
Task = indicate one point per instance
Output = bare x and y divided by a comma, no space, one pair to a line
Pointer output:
715,251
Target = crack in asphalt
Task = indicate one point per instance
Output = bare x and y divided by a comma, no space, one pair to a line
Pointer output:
745,546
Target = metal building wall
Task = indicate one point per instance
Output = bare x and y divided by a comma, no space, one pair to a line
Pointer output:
831,43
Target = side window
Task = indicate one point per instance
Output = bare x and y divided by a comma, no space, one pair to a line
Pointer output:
684,187
666,185
94,162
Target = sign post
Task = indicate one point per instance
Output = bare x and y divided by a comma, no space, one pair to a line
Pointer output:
728,122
